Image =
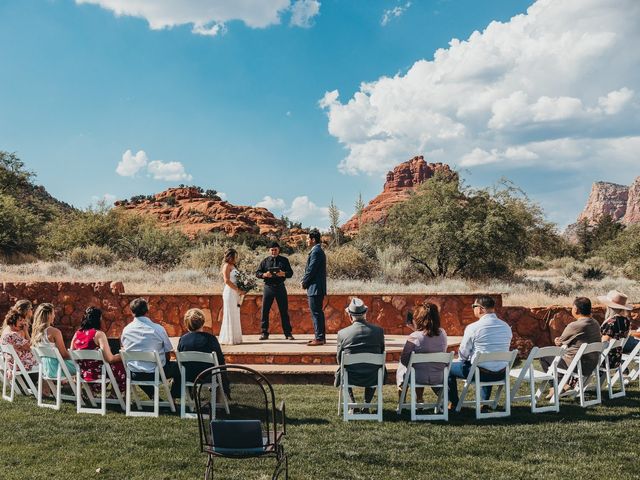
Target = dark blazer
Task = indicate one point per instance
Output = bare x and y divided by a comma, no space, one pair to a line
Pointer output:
315,274
360,337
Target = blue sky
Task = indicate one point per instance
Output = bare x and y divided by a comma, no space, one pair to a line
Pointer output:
274,103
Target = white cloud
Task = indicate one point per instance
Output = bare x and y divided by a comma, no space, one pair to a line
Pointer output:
131,164
303,11
552,87
209,17
271,203
168,171
304,210
107,199
392,13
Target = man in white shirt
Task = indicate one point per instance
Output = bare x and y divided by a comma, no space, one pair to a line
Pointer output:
488,334
143,335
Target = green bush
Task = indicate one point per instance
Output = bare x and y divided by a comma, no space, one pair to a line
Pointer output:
154,246
623,248
18,227
395,267
349,262
91,255
632,269
209,257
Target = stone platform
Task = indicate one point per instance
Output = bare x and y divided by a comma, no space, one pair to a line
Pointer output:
292,361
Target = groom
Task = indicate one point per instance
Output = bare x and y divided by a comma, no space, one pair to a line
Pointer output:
274,270
314,282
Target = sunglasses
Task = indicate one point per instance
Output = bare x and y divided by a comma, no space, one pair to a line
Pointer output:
474,305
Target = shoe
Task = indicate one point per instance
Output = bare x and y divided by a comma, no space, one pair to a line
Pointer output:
289,337
264,336
315,342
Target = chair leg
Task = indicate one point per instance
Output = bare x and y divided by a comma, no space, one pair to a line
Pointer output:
208,473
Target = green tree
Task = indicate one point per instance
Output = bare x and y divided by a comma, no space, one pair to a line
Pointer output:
18,227
450,231
359,206
604,231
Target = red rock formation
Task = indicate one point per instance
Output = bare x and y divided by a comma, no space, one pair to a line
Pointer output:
400,182
632,214
192,212
606,199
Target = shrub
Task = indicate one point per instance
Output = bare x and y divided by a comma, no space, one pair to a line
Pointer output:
58,269
349,262
155,246
394,265
632,269
91,255
209,257
18,227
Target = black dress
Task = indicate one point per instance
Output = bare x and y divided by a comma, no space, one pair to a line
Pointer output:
206,343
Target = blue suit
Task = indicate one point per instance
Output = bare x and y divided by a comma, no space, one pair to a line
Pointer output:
315,282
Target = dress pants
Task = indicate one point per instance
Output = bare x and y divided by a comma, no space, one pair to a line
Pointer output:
171,371
279,293
461,370
317,315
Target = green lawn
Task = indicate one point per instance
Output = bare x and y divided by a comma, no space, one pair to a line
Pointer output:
600,442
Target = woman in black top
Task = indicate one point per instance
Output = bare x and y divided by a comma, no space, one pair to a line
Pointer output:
198,340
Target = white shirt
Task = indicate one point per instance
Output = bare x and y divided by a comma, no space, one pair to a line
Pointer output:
143,335
486,335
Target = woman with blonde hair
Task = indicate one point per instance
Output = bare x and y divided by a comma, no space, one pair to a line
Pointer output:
616,323
15,332
197,340
427,337
231,329
44,333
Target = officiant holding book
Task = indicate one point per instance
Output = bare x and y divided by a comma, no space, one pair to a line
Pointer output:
274,270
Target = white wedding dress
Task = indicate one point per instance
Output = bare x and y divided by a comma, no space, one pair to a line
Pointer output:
231,330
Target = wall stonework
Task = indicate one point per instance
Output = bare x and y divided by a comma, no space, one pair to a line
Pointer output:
531,326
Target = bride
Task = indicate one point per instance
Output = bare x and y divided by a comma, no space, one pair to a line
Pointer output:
231,330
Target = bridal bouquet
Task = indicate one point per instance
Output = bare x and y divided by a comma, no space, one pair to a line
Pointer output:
246,283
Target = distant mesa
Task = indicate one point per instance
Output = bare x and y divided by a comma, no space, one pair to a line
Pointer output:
194,210
401,181
620,202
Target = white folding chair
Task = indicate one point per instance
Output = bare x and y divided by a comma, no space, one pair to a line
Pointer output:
20,380
441,412
159,380
574,371
606,373
106,376
529,374
503,384
63,375
630,364
216,386
344,402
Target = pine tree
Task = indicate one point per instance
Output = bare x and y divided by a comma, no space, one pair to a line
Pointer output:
359,207
334,219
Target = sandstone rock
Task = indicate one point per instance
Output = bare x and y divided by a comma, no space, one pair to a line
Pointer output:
402,180
193,213
632,215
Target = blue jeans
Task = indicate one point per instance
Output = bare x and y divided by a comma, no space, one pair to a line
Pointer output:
461,369
630,345
317,314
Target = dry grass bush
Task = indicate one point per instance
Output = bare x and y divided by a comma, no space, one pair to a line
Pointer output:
394,265
349,262
90,255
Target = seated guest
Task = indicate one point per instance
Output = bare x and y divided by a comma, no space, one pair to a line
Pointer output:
583,330
428,337
45,334
616,324
632,341
15,332
197,340
91,337
143,335
488,334
360,337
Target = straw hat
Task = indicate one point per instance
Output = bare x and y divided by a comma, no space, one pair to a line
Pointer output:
615,299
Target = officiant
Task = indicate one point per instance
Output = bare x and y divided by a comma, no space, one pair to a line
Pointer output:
274,270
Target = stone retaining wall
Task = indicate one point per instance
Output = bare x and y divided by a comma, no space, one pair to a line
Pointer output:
531,326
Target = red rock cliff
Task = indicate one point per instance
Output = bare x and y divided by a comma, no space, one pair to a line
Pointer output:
192,212
400,182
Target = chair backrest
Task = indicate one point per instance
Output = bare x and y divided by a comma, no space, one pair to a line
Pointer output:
615,344
595,347
552,351
237,436
52,352
507,357
79,355
253,400
200,357
438,357
134,356
371,358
